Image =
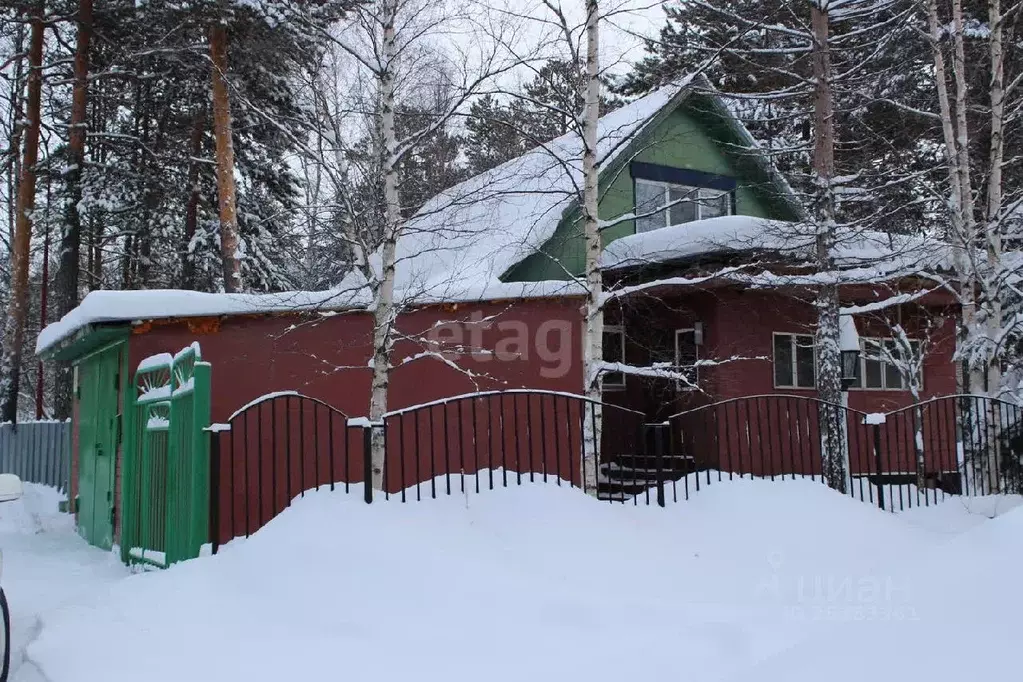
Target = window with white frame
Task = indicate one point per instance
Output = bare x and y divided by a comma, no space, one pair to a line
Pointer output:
614,351
682,204
795,361
884,364
687,352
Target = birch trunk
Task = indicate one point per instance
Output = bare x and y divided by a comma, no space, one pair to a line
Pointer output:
222,129
69,258
829,358
975,376
14,328
594,341
992,231
384,310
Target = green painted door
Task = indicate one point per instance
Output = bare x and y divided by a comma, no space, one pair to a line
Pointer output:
99,386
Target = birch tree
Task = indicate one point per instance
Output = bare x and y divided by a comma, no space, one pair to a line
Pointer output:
396,50
593,342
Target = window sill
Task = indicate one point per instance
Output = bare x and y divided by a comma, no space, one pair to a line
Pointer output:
857,389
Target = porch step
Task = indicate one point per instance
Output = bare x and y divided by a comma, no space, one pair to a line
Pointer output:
627,466
631,475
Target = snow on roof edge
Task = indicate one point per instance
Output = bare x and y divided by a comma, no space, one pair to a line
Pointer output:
100,307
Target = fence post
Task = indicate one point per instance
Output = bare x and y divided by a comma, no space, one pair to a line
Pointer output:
213,432
877,462
657,432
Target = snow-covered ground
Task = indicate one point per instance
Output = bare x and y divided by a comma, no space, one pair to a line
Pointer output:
750,581
45,566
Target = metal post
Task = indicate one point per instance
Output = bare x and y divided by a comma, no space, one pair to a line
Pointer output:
367,461
877,462
658,433
214,517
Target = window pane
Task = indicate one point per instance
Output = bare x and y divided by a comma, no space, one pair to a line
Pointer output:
685,211
686,351
714,203
649,196
805,374
782,360
893,377
613,346
686,355
872,365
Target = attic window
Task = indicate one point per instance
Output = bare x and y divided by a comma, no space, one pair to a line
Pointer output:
681,204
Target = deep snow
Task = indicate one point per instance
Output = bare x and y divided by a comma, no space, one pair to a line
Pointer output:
45,565
750,580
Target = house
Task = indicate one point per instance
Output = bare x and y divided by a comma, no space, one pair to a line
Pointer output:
712,300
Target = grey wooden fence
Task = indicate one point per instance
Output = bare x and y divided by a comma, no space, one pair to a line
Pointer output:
38,452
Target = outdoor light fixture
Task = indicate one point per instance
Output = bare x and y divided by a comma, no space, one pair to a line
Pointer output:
698,333
849,345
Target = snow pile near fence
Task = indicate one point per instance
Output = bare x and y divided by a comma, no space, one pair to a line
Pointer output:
542,583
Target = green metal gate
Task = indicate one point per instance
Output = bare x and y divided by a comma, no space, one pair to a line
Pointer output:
165,492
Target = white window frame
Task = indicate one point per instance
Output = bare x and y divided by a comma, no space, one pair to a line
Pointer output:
795,362
620,386
666,195
678,361
884,364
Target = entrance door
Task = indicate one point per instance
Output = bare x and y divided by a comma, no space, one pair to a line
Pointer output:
99,382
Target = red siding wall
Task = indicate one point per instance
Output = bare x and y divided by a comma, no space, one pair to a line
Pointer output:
745,320
327,357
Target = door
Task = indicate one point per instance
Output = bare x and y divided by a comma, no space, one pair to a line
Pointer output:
98,440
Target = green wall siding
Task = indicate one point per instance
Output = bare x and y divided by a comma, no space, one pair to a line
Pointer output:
687,138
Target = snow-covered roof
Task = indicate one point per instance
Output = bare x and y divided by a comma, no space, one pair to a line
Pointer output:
456,248
865,254
477,230
155,304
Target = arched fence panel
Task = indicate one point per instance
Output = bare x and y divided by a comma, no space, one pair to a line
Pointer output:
272,451
914,456
502,438
278,447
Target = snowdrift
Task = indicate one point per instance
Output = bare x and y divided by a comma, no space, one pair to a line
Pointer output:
536,582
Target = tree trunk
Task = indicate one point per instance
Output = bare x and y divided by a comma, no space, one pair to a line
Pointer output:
594,342
14,166
992,289
975,374
384,310
222,131
14,328
66,284
829,357
192,207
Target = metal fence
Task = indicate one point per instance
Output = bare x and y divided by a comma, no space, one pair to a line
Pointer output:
37,451
915,456
276,448
282,445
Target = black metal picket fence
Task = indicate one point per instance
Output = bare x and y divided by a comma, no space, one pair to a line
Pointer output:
914,456
283,445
